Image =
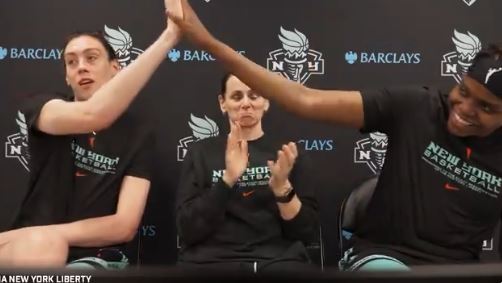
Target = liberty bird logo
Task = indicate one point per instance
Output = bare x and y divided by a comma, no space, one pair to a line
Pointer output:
121,41
295,61
201,129
17,144
174,55
456,63
371,151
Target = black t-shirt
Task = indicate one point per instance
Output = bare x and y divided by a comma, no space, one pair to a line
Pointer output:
74,177
438,195
101,161
221,224
51,168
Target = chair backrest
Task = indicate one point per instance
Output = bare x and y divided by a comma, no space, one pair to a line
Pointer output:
316,251
352,210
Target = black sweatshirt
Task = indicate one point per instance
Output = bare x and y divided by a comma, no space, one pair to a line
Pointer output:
438,195
217,223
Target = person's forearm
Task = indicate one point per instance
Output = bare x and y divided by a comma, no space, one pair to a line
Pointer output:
96,232
284,92
290,209
199,218
114,97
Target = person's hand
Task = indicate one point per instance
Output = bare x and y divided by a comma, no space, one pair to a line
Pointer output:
236,155
190,25
173,7
280,169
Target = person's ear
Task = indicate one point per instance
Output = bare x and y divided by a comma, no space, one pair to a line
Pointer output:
221,100
116,65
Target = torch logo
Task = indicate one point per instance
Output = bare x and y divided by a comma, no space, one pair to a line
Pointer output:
16,145
371,151
121,42
469,2
295,61
201,129
456,63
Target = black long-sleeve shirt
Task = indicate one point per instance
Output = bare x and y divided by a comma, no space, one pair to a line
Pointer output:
217,223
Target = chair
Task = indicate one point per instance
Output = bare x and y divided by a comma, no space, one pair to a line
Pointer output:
352,211
316,251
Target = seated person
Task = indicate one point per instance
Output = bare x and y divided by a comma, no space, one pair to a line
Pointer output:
87,188
237,210
438,195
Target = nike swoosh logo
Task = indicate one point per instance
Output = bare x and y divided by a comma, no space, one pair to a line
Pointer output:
80,174
247,194
450,187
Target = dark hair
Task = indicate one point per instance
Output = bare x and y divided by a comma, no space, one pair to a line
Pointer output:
483,66
492,51
98,35
223,84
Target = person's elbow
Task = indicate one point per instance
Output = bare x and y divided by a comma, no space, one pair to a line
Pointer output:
78,120
93,117
126,231
307,100
97,120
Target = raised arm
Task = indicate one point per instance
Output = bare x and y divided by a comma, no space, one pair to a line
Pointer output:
336,106
60,117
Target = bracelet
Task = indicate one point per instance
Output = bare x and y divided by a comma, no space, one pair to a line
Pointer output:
287,197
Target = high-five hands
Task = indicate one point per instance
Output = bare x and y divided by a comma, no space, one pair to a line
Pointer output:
189,24
173,7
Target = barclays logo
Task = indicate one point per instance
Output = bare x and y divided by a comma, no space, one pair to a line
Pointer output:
175,55
3,53
317,144
353,57
30,53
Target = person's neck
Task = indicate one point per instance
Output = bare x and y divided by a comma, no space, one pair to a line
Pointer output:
251,134
488,142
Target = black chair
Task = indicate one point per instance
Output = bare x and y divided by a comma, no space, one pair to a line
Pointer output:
316,251
352,211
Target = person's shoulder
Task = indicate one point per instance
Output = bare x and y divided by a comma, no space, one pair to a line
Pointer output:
420,94
210,143
42,97
203,147
435,97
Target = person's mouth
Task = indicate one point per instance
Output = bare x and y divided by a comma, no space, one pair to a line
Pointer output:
462,120
85,82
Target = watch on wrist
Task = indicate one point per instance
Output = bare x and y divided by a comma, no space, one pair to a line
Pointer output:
286,197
